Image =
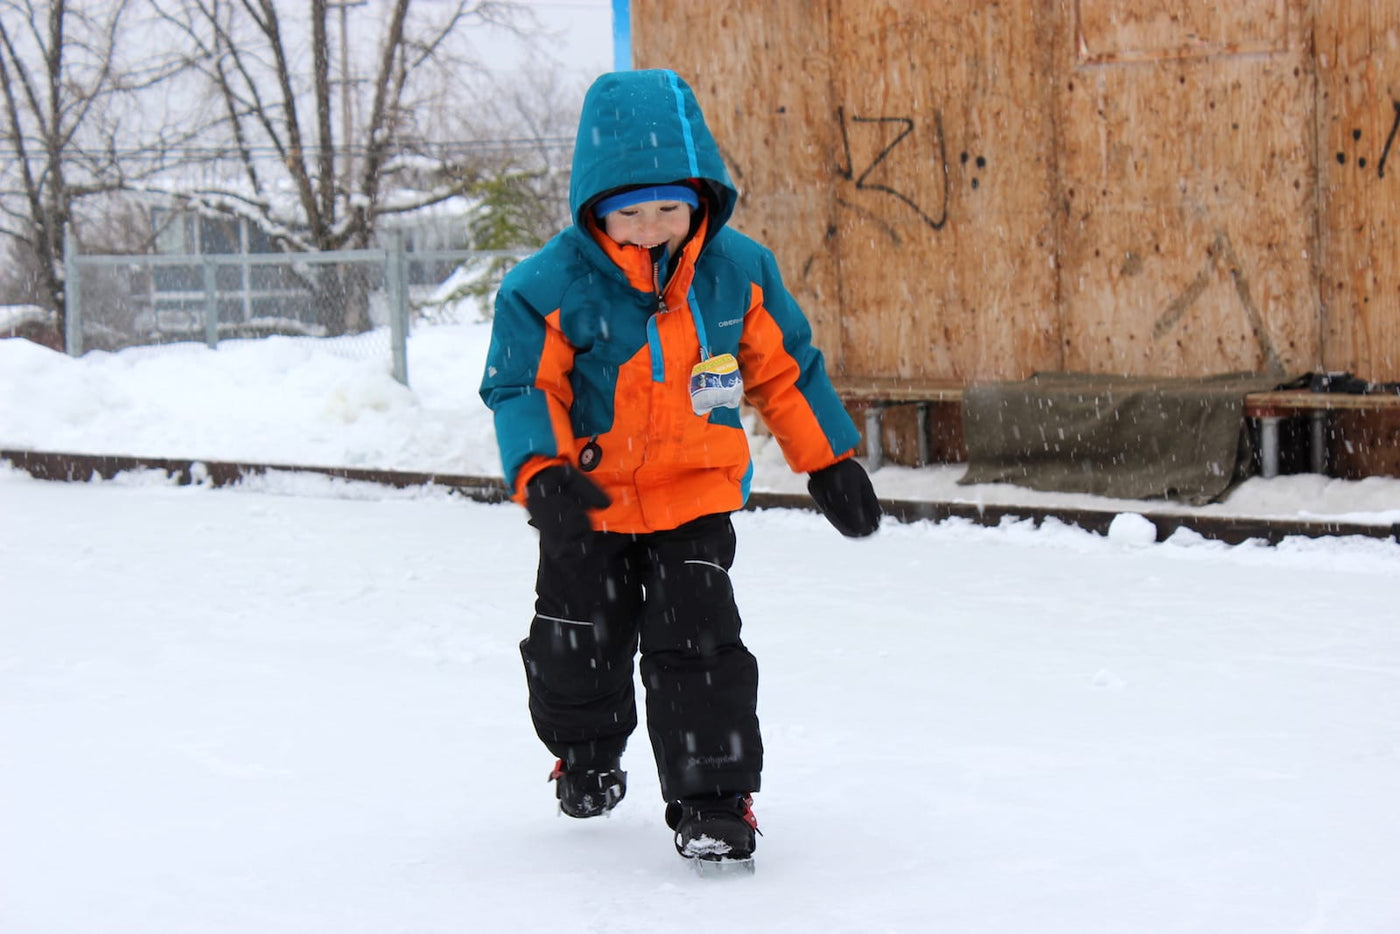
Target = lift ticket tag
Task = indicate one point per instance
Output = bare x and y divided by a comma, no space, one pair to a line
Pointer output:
715,383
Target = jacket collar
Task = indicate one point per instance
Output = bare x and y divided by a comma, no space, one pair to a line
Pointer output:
636,262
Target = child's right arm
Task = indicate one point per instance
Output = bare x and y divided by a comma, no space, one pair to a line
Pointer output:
526,385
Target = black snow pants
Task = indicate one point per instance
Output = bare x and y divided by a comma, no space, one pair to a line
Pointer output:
669,594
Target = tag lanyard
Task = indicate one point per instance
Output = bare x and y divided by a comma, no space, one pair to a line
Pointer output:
694,309
699,324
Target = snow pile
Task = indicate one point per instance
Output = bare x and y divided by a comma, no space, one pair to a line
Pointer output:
333,403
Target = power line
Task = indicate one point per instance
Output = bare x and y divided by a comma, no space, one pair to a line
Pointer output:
446,148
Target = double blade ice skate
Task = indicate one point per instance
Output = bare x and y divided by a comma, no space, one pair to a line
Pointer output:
718,835
722,867
587,792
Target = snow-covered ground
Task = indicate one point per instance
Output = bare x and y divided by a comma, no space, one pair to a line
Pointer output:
296,706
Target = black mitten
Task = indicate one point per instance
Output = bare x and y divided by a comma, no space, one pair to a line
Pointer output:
558,499
844,495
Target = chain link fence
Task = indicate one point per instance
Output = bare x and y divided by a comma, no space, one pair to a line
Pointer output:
123,301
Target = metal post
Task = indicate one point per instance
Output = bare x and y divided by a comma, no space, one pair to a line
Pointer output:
347,158
1268,446
1318,424
211,305
396,272
245,270
925,453
874,436
72,296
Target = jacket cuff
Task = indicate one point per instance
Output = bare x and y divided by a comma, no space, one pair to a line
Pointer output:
838,459
527,472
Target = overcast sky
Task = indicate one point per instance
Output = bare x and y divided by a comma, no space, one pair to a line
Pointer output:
585,35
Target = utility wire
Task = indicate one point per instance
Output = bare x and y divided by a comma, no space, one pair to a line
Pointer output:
457,147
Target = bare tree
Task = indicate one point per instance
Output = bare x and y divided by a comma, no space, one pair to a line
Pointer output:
64,79
273,81
531,121
518,169
314,123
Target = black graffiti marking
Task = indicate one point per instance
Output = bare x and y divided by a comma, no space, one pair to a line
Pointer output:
981,162
1385,151
1389,140
848,170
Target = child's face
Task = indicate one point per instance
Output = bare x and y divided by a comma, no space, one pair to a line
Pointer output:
649,224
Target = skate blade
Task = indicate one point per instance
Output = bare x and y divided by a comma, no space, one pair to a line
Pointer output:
560,812
723,868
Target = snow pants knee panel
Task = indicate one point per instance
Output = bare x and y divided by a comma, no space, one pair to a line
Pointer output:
583,713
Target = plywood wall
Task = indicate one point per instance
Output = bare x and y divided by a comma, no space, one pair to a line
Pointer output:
1187,166
981,190
944,228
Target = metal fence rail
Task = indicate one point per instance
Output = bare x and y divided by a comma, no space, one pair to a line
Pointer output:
116,301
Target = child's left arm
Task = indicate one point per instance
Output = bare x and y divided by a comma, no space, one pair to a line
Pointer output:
786,380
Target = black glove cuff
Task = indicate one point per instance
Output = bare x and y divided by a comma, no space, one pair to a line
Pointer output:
558,499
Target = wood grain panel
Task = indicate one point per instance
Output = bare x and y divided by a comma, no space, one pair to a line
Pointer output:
1358,56
1153,30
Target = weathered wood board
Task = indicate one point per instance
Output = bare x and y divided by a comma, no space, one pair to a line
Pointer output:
1187,170
944,231
1358,151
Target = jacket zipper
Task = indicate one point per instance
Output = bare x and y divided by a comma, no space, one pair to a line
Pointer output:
660,287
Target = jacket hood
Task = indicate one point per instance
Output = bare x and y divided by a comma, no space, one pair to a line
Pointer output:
646,128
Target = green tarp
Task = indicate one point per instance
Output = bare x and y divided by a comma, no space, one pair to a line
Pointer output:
1125,437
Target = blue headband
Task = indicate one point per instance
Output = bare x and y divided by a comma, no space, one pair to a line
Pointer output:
633,196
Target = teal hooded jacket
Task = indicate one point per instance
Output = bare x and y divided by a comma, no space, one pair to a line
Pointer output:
594,346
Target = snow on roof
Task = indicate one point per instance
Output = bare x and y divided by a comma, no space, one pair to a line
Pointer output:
12,316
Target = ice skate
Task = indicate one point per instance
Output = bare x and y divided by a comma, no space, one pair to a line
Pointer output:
718,834
587,792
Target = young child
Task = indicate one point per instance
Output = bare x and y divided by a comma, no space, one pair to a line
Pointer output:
619,356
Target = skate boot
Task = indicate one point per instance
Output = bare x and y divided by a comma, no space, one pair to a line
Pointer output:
719,829
587,792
